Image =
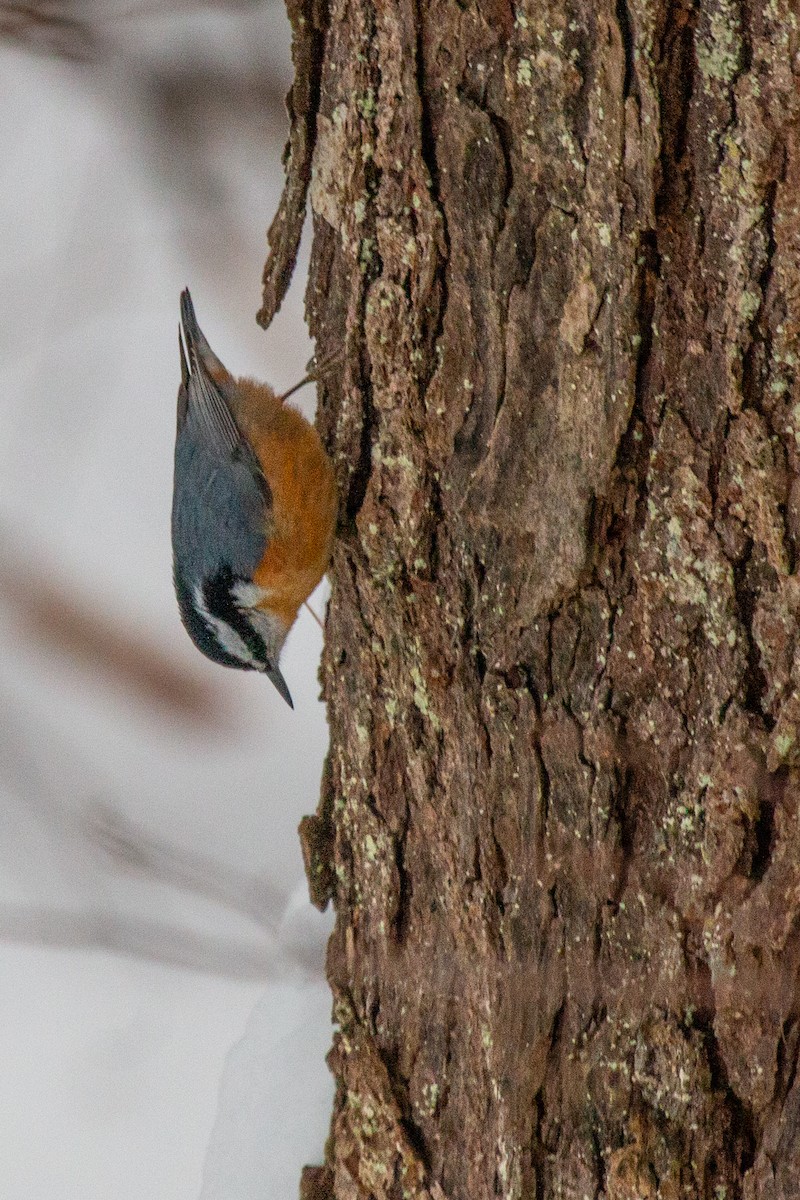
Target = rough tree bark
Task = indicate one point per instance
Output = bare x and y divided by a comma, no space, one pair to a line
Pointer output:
559,244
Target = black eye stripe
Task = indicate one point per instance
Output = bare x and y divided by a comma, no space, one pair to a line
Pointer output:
218,598
204,637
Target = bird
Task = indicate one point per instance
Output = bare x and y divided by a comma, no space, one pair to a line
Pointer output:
254,510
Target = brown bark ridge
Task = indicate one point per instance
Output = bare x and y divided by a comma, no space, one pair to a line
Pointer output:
560,821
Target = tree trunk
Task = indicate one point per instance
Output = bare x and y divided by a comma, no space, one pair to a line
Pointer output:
559,824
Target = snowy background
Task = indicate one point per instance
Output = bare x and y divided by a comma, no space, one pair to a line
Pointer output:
163,1016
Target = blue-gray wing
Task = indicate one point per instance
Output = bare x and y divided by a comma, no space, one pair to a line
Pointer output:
199,397
221,505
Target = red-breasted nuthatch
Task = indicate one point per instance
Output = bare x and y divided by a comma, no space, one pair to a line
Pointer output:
253,511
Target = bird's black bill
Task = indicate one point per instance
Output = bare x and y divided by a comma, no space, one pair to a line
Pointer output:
280,683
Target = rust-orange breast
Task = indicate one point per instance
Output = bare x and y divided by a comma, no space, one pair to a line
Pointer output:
304,501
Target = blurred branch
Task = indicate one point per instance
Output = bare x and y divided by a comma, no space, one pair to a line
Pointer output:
131,846
50,28
124,657
137,938
192,79
68,833
81,31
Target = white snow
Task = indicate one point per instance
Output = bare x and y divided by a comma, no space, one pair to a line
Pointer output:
269,1104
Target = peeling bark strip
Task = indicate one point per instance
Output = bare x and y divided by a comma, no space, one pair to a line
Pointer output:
308,20
560,244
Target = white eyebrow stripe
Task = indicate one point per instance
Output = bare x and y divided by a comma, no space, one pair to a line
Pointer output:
227,637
